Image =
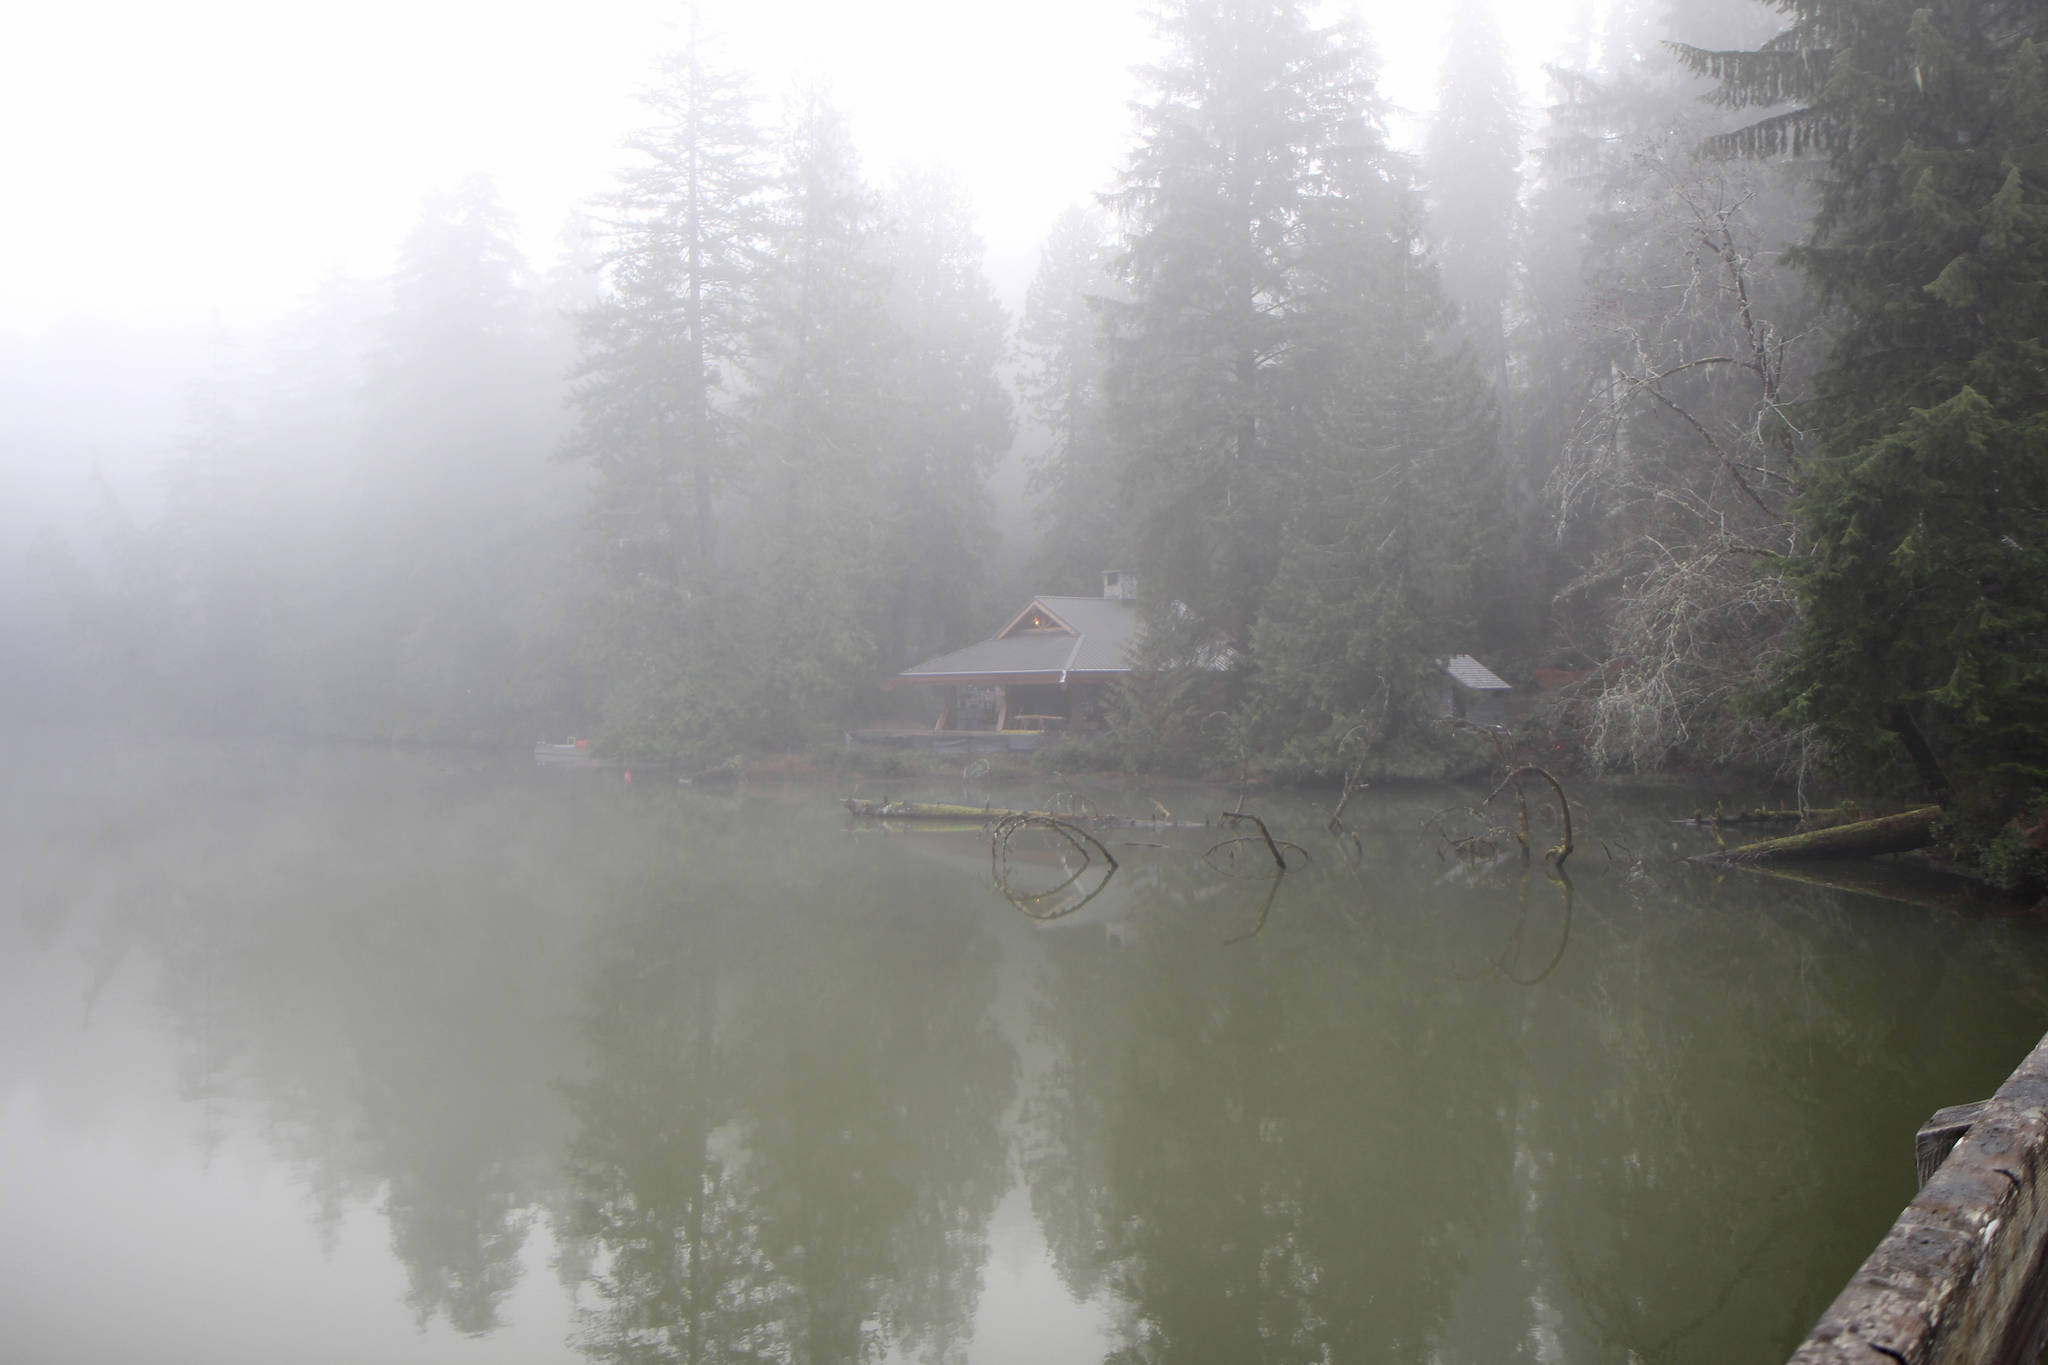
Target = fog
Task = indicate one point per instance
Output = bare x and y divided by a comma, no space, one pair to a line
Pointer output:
471,481
675,377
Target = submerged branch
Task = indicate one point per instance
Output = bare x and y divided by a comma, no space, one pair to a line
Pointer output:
1265,910
1272,848
1564,848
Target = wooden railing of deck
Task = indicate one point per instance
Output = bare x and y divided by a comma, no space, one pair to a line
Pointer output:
1960,1276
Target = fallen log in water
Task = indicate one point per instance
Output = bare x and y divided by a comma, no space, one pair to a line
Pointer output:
939,810
1763,815
928,810
1900,833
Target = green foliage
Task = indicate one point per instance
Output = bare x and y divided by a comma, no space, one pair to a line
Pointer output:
1927,592
790,397
1310,473
1471,162
950,418
1254,113
1925,588
2015,854
1178,711
1062,355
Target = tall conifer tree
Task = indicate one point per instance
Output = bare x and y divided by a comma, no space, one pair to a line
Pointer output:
1394,487
1472,162
951,423
1062,353
1926,585
1248,101
660,350
820,525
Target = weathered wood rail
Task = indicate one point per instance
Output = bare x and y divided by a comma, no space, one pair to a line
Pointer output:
1960,1276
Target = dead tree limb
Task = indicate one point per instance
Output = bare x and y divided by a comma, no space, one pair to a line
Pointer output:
1264,833
1564,849
1209,853
1372,735
1072,833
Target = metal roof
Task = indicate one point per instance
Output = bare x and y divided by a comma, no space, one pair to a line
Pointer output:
1103,630
1467,671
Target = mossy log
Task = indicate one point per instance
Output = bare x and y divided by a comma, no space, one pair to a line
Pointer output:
1830,815
1900,833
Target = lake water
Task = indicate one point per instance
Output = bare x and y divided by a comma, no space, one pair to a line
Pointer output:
362,1057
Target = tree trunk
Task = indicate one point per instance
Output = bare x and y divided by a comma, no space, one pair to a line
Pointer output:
1921,752
1864,839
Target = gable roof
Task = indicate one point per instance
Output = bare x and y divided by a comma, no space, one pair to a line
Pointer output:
1091,636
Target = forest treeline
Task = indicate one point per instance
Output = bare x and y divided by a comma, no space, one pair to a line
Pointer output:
1717,393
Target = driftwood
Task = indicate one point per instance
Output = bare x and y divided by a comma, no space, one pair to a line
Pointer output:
1864,839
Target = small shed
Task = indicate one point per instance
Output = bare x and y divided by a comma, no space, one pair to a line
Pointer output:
1474,692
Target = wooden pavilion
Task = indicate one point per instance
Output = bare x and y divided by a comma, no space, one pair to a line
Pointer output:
1047,669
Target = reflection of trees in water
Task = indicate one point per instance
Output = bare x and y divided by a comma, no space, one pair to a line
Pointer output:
371,959
1223,1138
786,1113
1392,1127
680,1274
1351,1134
1694,1179
790,1134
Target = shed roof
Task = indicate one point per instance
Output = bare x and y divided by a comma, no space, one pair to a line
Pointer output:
1467,671
1091,635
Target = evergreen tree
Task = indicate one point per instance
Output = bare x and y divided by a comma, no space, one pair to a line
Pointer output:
1395,489
1472,162
1925,584
461,413
805,636
1250,100
1062,355
952,418
656,421
1309,471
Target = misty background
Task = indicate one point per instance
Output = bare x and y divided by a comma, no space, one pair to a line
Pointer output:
391,376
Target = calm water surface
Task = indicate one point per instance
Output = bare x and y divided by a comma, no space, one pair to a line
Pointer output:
385,1058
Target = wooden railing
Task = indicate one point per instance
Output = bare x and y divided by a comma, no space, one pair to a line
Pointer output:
1959,1278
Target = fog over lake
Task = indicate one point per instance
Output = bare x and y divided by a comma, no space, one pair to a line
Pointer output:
925,682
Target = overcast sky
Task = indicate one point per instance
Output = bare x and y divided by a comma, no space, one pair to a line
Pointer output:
167,162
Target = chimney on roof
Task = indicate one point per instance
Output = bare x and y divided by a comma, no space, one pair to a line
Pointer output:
1120,585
